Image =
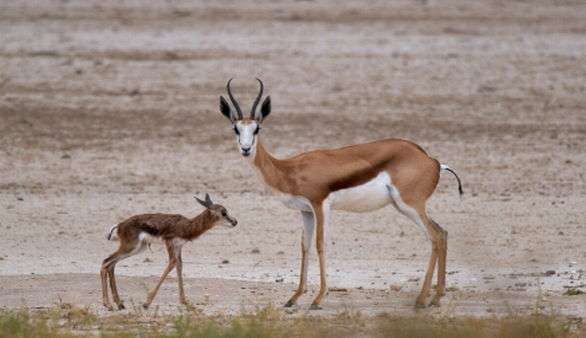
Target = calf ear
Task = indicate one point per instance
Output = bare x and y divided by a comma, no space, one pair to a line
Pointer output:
209,202
225,108
265,109
203,203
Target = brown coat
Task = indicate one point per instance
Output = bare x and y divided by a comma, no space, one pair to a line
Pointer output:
317,173
167,226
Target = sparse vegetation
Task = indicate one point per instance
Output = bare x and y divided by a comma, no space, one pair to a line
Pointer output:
66,320
573,292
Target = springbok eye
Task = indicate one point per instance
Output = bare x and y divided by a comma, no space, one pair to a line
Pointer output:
236,130
257,130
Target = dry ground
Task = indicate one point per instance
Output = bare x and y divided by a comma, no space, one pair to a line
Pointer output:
109,109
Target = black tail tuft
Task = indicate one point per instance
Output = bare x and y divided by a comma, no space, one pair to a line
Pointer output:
446,168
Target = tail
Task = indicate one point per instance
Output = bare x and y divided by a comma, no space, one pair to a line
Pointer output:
112,234
446,168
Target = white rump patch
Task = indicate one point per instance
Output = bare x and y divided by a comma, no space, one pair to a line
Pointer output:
406,210
366,197
444,167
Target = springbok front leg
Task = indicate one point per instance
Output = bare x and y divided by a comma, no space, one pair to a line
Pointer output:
321,215
170,265
306,239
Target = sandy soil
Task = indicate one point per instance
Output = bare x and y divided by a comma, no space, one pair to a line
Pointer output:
109,109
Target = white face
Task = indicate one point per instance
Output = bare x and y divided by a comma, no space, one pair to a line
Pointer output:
246,132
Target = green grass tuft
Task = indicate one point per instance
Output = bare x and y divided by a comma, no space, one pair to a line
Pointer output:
66,320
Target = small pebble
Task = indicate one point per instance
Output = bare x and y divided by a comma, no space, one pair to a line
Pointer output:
396,287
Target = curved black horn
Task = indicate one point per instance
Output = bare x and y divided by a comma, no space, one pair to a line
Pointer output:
234,103
257,100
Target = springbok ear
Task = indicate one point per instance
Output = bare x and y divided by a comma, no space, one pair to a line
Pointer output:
209,202
265,109
203,203
225,108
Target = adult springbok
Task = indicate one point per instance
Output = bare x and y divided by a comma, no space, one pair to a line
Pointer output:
139,231
357,178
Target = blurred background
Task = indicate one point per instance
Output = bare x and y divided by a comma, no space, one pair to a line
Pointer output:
110,108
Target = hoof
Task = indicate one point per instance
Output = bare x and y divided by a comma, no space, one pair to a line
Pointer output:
419,305
188,305
109,307
145,306
121,306
435,302
315,307
290,303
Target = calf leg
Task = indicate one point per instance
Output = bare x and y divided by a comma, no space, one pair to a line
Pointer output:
104,279
107,272
138,248
170,266
182,298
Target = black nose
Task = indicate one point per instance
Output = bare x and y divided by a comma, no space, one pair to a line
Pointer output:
245,151
235,223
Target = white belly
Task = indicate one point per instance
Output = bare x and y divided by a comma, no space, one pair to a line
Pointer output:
369,196
366,197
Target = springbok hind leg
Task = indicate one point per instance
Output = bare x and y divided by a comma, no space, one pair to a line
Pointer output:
441,266
439,246
417,214
426,287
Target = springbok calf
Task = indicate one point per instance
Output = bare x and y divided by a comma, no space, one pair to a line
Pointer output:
137,232
358,178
